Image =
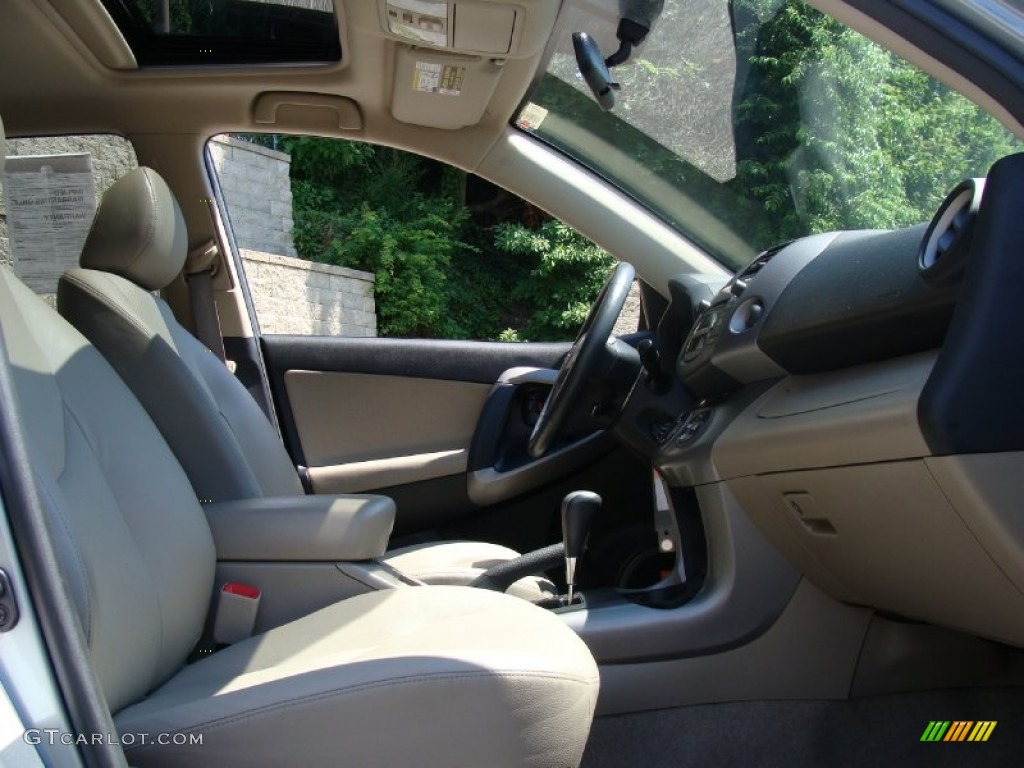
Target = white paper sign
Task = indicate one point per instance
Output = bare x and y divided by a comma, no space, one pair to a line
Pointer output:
51,200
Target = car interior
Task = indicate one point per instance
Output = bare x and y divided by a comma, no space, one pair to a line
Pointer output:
774,520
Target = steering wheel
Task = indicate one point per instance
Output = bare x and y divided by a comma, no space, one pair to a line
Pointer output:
583,361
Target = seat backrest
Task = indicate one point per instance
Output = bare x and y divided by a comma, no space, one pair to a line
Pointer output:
137,245
134,545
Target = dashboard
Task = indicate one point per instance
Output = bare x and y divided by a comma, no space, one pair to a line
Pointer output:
856,392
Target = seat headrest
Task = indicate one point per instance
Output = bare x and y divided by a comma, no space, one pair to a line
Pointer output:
139,232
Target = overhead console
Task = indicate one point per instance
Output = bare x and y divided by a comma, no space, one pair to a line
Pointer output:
463,26
455,51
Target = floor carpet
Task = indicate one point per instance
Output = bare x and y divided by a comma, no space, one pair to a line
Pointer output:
876,731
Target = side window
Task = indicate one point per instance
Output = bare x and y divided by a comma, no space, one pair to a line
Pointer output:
52,186
350,239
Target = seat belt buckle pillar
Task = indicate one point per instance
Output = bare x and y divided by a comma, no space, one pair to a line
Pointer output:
236,613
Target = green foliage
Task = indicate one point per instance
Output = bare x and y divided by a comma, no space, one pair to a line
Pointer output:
639,162
410,258
358,206
837,133
438,273
567,274
325,162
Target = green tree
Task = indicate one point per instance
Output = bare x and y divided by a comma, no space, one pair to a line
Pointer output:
834,132
410,259
439,273
566,275
370,208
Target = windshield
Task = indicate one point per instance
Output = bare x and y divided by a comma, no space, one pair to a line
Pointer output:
745,124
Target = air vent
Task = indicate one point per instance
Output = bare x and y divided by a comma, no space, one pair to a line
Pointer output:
759,263
947,242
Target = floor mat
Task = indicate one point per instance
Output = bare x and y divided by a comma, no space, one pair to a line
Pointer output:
875,731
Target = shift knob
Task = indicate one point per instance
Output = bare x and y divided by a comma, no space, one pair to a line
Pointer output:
578,510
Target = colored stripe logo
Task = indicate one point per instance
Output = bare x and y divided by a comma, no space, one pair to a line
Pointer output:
958,730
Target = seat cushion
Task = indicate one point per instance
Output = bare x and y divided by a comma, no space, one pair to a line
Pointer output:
426,676
226,444
121,512
460,562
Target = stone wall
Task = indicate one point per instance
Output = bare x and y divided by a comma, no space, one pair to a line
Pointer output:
291,295
629,317
258,193
300,297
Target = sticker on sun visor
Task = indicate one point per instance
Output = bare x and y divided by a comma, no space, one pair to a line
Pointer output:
531,117
445,79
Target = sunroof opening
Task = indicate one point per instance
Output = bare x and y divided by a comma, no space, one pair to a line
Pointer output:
202,32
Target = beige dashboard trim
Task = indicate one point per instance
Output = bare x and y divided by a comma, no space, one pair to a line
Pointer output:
854,416
360,476
886,535
985,489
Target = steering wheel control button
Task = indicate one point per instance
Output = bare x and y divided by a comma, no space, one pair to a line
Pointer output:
736,287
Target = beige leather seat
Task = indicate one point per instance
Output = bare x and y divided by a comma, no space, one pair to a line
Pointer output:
431,676
229,449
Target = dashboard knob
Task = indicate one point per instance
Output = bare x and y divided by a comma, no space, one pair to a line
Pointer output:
747,315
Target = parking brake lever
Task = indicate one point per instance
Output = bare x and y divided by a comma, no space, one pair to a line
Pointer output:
578,510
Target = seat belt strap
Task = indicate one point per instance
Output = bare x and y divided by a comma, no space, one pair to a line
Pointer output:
199,270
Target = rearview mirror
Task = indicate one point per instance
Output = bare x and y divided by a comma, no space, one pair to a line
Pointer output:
595,72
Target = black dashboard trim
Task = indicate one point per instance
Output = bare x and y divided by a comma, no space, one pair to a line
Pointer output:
861,300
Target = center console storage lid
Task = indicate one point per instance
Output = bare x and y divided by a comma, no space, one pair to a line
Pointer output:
302,528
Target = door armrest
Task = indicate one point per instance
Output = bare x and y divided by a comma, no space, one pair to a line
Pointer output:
302,528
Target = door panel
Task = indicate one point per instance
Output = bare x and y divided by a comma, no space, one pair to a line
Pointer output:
363,476
362,431
464,362
397,416
479,361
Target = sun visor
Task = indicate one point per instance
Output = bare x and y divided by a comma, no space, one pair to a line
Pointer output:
441,90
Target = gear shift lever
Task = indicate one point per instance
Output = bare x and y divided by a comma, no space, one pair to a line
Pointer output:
578,510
